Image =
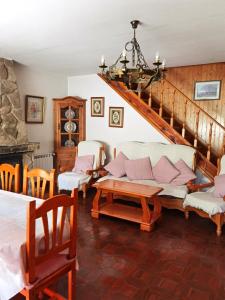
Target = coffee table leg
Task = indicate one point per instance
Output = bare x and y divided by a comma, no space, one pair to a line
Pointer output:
157,209
146,217
95,209
109,198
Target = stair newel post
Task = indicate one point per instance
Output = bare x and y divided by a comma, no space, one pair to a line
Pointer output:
172,111
184,120
210,141
161,98
196,128
150,96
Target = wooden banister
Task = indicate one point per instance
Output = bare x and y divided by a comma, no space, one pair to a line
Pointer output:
196,106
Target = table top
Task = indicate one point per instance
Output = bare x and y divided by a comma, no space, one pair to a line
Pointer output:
13,208
128,188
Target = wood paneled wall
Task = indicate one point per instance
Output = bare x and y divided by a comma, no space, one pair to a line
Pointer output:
184,79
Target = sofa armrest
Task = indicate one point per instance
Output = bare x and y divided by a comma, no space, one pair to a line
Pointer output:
101,172
196,187
64,169
91,172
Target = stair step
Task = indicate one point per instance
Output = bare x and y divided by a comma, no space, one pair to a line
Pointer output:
174,134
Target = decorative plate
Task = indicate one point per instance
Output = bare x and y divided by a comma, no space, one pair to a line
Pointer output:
69,143
70,127
70,114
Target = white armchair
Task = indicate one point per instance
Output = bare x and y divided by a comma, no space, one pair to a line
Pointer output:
205,204
70,180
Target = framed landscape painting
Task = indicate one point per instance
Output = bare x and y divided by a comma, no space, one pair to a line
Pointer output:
207,90
116,115
34,109
97,106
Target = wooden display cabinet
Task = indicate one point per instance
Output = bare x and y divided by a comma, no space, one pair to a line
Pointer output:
69,130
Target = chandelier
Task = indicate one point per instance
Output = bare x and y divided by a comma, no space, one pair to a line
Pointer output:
137,75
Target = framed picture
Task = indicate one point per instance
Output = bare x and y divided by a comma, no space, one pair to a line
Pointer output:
116,115
97,106
34,109
207,90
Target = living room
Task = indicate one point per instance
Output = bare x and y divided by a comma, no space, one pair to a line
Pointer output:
145,229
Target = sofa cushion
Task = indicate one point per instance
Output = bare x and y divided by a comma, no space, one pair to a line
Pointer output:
117,166
83,163
219,186
168,189
164,171
71,180
186,174
206,202
154,150
138,169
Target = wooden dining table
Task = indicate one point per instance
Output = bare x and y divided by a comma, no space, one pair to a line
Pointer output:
13,208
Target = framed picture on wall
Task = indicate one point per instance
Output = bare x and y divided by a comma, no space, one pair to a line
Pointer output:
207,90
116,116
97,106
34,109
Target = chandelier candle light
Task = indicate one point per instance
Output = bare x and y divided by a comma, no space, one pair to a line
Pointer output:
139,75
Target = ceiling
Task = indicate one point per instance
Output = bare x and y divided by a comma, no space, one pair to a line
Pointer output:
69,36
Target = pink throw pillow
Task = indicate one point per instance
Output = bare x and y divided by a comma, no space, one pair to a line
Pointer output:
186,173
219,186
139,169
83,163
117,166
164,171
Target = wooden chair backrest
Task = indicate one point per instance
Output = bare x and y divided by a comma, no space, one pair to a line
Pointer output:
54,240
38,179
10,177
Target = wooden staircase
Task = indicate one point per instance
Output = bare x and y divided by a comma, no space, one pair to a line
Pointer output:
190,126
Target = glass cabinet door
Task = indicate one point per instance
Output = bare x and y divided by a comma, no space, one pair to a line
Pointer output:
69,126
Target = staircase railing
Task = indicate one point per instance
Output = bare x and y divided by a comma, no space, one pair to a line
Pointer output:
207,132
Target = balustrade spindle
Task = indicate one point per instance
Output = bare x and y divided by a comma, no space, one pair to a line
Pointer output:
184,120
196,129
161,98
223,146
150,97
210,141
172,111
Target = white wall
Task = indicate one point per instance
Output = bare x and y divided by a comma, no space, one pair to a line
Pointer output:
48,85
135,127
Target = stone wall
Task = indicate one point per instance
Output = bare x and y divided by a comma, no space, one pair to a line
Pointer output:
12,126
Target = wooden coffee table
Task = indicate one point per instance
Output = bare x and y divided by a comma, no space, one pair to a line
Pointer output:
143,215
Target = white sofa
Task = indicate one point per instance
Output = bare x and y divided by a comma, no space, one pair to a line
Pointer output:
171,196
205,204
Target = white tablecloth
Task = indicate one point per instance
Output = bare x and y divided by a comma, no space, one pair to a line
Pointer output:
12,240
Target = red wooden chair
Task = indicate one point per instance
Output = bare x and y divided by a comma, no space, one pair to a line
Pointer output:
45,268
39,179
10,177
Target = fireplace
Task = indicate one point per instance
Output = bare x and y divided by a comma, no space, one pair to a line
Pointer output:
19,154
14,145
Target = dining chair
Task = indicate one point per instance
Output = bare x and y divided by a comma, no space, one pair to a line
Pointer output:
58,256
10,177
39,181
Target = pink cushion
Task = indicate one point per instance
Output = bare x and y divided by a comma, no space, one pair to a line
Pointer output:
117,166
139,169
186,173
83,163
219,186
164,171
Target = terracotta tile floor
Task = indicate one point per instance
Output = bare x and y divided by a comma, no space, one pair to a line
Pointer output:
179,260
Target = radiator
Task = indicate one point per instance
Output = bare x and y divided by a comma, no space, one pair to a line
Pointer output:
43,161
